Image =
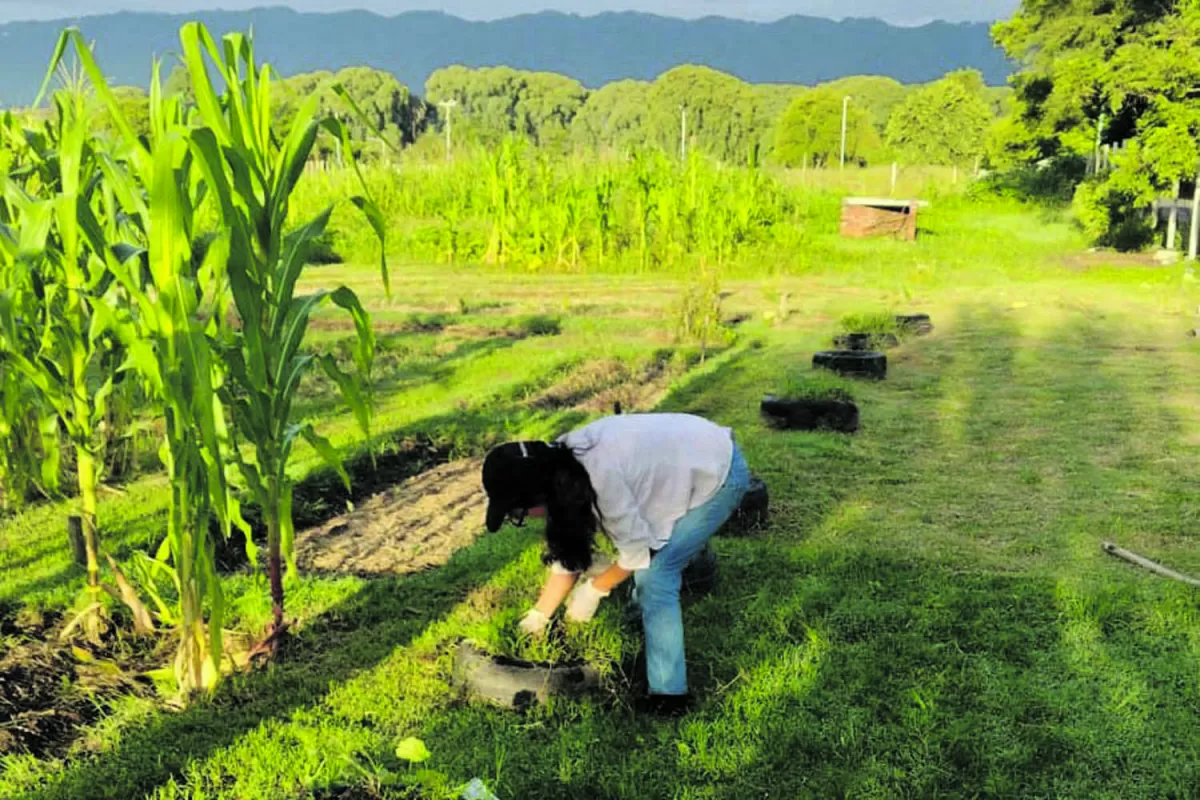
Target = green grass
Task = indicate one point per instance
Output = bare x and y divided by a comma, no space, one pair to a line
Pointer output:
929,614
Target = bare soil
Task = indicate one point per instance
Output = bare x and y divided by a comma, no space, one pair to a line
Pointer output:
412,526
423,520
50,689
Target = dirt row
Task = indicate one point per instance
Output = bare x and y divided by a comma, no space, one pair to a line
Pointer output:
422,521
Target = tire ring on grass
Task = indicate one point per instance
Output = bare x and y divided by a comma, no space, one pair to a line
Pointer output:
867,364
919,324
810,414
518,685
865,341
753,514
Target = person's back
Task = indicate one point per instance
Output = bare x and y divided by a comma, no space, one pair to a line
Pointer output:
667,464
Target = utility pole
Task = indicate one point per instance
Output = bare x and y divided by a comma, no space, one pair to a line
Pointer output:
683,133
447,107
845,111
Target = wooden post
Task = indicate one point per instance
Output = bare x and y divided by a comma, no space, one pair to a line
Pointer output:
956,174
895,168
75,536
1173,218
1194,239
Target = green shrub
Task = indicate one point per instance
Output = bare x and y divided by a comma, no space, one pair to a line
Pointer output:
817,385
540,325
1112,216
876,322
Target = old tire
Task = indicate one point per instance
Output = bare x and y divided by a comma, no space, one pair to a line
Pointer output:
810,414
865,341
918,324
519,685
753,514
867,364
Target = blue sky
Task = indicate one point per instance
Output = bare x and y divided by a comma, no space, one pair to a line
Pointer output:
908,12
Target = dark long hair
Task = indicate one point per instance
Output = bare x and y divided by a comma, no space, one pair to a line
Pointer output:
572,512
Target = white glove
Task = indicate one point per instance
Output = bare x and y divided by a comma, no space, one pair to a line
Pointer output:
534,623
583,602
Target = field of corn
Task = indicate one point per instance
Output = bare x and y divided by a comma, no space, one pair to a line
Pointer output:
261,392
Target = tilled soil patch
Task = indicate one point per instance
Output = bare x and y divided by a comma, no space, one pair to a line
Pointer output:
415,525
420,522
49,689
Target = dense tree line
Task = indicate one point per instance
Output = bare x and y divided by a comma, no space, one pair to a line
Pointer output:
1097,73
724,117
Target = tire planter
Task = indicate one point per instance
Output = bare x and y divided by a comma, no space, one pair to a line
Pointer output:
919,324
865,341
810,414
519,685
753,514
866,364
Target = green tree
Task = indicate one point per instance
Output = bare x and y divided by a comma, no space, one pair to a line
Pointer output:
496,102
811,131
614,117
879,95
1097,72
945,122
721,115
387,107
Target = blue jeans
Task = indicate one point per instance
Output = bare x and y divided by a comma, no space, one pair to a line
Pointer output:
656,588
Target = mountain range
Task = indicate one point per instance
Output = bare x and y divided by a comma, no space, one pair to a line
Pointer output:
594,49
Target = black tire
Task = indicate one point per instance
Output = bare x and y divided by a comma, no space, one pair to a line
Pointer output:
918,324
810,415
753,514
865,341
518,685
867,364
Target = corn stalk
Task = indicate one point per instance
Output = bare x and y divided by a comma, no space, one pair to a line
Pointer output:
252,174
57,288
165,320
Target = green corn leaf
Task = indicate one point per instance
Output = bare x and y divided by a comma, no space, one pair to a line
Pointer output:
296,248
326,451
351,392
364,352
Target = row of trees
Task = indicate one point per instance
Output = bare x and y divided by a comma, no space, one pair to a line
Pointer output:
162,255
941,123
946,122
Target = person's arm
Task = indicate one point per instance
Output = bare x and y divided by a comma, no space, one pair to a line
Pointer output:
611,578
556,589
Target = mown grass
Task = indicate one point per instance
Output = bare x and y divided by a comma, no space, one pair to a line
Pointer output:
929,613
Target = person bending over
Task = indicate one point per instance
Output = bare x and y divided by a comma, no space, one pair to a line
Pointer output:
658,485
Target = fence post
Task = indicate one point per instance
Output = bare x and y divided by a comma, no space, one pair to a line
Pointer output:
1172,218
1194,239
895,168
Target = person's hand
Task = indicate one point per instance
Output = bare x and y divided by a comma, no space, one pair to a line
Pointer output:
534,623
583,602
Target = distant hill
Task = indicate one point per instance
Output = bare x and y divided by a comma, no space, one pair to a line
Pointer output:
595,50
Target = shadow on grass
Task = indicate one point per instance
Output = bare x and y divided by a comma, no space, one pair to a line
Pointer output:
349,639
885,639
921,619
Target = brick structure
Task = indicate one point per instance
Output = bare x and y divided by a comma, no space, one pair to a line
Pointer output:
864,217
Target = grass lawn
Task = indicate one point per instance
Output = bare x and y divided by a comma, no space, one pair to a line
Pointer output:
929,614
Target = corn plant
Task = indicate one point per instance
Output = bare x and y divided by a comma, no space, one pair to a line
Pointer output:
252,173
165,316
54,301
